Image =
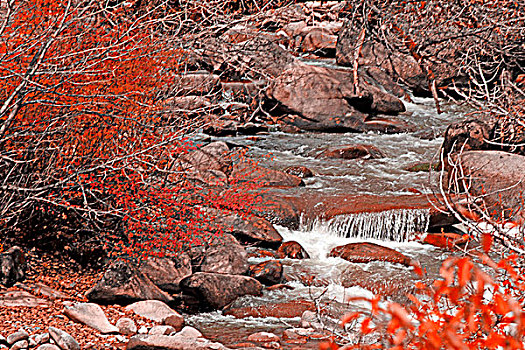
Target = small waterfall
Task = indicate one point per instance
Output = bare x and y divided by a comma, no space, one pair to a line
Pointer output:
399,225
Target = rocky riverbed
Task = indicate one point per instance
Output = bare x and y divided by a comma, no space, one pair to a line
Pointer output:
353,208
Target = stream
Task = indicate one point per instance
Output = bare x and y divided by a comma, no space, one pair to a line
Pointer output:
393,228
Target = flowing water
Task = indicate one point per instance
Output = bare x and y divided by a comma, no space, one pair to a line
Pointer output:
393,228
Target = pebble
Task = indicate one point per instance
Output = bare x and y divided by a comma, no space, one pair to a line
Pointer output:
63,339
143,330
126,326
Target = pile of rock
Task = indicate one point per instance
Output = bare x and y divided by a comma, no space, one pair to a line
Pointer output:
54,339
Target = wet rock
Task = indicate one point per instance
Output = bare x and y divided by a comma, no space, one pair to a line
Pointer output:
248,229
423,166
280,286
386,81
225,256
367,252
300,171
63,339
263,337
209,163
267,272
166,273
297,335
279,210
497,177
123,284
12,266
388,125
280,310
265,177
260,253
393,285
218,290
157,311
17,336
351,152
91,315
446,240
292,250
126,326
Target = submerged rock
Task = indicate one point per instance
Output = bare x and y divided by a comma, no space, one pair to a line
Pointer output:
267,272
292,250
367,252
351,152
280,310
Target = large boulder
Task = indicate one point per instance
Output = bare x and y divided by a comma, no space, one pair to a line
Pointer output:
402,67
166,273
225,256
247,229
326,99
218,290
209,163
467,135
123,284
366,252
12,266
498,178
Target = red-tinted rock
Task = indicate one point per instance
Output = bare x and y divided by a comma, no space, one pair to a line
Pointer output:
292,250
379,284
267,272
367,252
300,171
12,266
166,273
351,152
446,240
247,229
224,255
499,178
466,136
218,290
282,310
123,284
261,253
280,286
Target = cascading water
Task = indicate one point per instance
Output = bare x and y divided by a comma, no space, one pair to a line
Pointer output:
399,225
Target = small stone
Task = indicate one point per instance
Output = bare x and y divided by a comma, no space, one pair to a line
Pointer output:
2,347
126,326
161,330
63,339
121,338
263,337
48,347
309,320
20,335
143,330
19,345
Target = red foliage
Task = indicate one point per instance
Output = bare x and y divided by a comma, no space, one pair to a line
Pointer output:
86,129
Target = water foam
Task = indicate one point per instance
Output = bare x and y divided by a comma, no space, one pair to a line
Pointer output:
398,225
